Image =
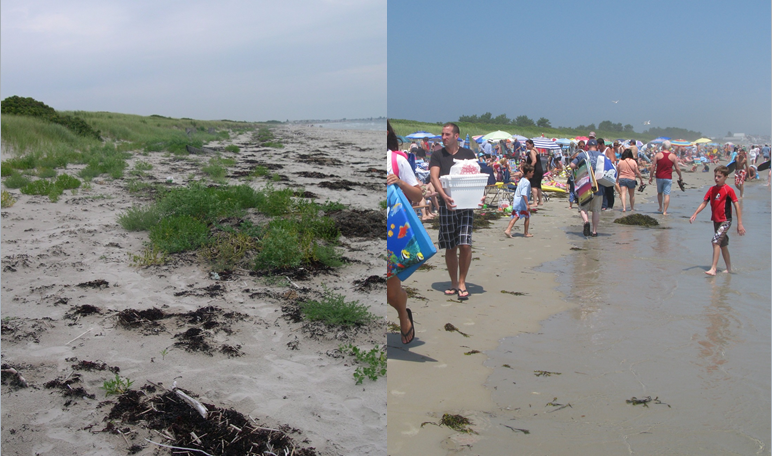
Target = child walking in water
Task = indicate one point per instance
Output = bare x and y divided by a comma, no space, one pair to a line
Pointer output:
520,207
721,198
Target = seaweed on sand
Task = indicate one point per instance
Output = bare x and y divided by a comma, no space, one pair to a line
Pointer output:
458,423
224,431
637,219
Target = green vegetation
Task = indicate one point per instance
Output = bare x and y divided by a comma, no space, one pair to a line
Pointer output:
188,218
374,362
16,180
232,148
265,137
53,189
30,107
7,200
334,310
117,385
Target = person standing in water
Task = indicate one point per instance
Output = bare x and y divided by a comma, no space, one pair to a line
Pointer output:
721,198
662,168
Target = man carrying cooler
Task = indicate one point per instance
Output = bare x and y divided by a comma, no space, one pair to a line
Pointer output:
455,225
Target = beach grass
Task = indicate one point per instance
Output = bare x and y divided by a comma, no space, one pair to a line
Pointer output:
333,309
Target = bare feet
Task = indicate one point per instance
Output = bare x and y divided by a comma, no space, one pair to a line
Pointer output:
509,235
710,272
624,210
526,235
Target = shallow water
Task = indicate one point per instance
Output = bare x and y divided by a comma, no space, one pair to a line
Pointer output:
372,125
647,322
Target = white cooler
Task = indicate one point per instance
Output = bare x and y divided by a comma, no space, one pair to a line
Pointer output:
466,190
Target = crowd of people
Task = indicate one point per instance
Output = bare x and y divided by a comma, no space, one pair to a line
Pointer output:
523,167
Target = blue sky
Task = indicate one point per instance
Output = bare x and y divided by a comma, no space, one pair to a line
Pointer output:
239,60
700,65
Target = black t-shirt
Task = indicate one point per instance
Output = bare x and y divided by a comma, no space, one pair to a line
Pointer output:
444,161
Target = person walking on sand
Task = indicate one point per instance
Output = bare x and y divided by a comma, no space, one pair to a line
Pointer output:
532,158
721,198
662,168
455,225
594,205
741,171
404,178
520,206
627,172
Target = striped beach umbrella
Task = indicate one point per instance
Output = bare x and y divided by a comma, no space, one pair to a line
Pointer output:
545,143
420,135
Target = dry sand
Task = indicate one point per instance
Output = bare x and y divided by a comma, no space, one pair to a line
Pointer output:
59,257
437,375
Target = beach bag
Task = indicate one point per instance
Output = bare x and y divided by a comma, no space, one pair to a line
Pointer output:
408,245
605,171
585,183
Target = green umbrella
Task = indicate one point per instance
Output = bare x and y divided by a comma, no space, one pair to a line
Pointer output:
497,136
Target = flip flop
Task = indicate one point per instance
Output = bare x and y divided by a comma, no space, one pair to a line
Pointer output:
453,291
411,332
587,229
465,297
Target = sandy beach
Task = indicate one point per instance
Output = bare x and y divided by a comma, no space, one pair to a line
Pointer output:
550,357
69,290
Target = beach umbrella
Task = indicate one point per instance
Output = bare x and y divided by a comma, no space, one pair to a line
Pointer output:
544,143
680,142
563,141
478,139
702,141
582,138
420,135
497,136
466,142
519,138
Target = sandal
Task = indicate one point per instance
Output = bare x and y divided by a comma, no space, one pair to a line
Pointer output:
463,295
453,291
411,332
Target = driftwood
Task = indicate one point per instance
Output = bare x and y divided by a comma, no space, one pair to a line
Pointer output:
16,373
200,408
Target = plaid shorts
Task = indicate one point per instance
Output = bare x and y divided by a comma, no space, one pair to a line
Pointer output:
721,235
455,227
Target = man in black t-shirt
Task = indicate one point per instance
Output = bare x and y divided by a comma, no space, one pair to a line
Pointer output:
455,225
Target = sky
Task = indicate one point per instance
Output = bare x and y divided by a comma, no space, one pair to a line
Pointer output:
702,65
237,60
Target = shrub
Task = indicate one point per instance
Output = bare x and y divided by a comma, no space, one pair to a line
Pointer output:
232,148
6,169
274,202
260,171
46,173
16,180
214,170
30,107
200,202
226,250
179,234
279,250
139,218
334,310
7,200
67,182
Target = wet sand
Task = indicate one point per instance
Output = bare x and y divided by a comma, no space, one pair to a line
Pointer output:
672,333
59,257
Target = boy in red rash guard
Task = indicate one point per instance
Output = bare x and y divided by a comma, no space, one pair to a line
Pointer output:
721,198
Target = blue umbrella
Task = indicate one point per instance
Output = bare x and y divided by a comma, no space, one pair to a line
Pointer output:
466,143
420,135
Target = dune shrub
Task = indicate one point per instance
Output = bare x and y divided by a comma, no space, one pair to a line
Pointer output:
179,234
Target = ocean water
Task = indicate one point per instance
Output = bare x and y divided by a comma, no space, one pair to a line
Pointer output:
373,125
648,322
